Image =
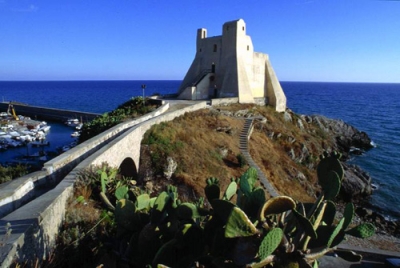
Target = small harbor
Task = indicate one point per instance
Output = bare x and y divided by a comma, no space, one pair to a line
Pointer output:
33,142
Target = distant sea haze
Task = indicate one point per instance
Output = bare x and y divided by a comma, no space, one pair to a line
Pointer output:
373,108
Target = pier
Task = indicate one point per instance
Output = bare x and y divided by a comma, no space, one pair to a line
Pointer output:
49,114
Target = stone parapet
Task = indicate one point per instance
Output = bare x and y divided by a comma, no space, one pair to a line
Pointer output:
35,225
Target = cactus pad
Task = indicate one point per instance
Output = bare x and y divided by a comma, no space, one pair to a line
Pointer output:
143,201
212,189
125,213
348,215
335,232
330,211
239,225
248,180
230,191
270,242
187,211
306,225
121,192
330,184
364,230
277,205
328,163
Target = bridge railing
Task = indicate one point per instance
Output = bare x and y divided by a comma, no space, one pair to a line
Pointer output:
36,224
15,193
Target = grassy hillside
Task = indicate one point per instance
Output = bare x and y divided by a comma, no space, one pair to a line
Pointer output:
206,144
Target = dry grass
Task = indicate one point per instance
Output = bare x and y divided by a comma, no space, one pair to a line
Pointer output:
203,135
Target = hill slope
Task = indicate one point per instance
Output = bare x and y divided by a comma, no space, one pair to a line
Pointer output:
203,144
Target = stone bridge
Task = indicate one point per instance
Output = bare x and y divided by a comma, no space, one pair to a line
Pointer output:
34,205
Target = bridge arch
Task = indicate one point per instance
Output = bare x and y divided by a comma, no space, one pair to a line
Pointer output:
128,168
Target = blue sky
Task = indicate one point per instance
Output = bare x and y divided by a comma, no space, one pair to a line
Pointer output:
307,40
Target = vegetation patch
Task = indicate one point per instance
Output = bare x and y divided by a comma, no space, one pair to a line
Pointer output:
235,226
133,108
8,173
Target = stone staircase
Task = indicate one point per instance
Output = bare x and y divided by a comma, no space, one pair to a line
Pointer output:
244,142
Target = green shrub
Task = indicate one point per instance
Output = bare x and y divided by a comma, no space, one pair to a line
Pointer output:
133,108
12,172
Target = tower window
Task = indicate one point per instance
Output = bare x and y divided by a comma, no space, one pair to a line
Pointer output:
215,47
243,28
200,50
248,47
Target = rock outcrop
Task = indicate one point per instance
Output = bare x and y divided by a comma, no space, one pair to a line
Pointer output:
356,183
348,138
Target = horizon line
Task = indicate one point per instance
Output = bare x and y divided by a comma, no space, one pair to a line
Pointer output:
133,80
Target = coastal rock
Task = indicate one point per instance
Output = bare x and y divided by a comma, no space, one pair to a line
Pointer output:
347,137
356,183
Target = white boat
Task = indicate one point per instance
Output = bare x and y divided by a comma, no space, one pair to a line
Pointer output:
72,122
45,128
24,138
79,126
28,132
75,134
14,134
13,143
40,143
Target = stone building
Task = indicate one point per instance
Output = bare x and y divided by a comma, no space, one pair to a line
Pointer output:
226,66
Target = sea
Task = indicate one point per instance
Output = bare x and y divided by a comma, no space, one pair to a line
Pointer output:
370,107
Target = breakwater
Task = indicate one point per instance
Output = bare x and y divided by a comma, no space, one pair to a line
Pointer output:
50,114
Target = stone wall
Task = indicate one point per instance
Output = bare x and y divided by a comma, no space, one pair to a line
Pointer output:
36,224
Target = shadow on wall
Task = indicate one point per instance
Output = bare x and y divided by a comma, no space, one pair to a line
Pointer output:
34,244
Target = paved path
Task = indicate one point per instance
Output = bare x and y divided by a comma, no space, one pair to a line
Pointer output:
244,142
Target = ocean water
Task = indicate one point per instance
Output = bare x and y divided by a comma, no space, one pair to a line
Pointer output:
86,96
373,108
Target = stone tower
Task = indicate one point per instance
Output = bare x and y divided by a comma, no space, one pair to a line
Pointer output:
226,66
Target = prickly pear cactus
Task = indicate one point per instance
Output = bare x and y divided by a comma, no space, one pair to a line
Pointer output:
125,213
212,189
277,205
230,191
121,192
248,180
330,162
363,230
239,225
187,211
330,185
143,202
270,242
348,215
